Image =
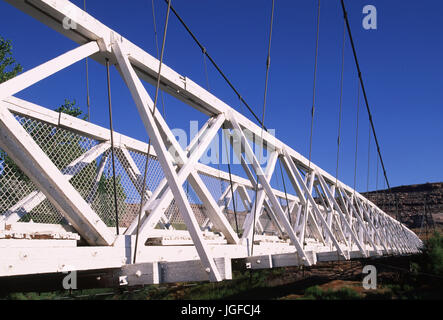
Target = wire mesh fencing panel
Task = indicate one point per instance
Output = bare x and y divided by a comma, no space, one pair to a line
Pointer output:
61,146
93,180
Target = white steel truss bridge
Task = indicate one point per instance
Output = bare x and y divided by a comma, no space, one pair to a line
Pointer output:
56,196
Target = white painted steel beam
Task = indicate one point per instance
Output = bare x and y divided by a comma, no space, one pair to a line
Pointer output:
28,78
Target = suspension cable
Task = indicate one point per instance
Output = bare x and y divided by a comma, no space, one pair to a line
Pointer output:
216,66
341,102
112,145
153,113
315,80
268,63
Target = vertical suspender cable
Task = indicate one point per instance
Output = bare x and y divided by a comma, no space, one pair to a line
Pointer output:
314,87
339,115
369,159
315,80
88,102
206,69
158,53
231,186
356,138
376,184
286,194
153,113
341,102
268,63
112,145
219,173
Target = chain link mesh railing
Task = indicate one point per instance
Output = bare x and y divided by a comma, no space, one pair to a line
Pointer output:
95,186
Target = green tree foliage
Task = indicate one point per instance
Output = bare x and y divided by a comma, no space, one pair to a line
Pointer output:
9,68
317,293
69,107
433,255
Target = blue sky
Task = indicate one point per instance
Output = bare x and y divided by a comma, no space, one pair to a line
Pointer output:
401,63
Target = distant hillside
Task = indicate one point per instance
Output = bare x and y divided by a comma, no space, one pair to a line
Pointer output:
411,201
